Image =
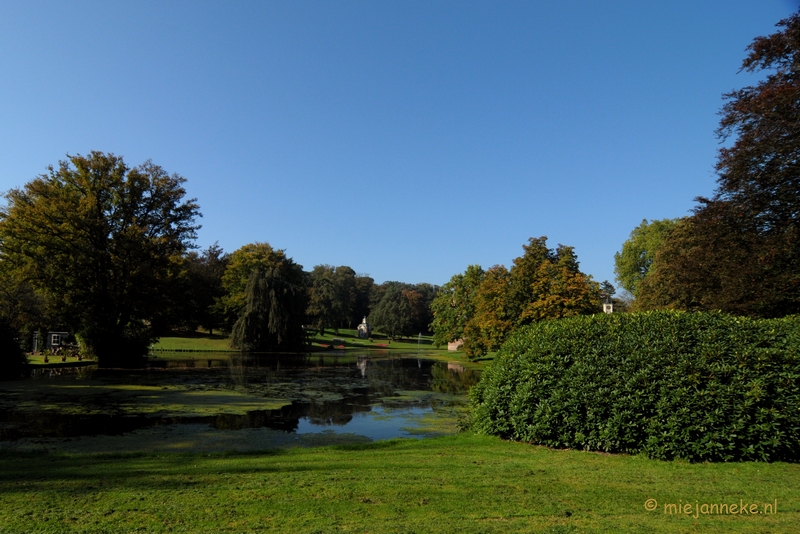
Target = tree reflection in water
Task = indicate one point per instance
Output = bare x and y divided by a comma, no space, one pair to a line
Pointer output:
340,392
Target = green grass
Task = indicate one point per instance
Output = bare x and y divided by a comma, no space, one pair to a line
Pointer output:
462,483
193,341
346,340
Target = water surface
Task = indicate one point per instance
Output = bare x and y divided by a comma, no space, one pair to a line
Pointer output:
308,398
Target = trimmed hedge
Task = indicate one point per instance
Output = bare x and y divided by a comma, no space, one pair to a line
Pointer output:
667,384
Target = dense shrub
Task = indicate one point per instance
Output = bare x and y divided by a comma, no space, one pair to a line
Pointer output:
697,386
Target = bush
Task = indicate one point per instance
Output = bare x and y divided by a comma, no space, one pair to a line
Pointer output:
696,386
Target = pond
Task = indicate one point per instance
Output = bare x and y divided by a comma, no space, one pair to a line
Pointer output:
234,402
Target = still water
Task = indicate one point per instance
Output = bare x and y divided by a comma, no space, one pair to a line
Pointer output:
367,396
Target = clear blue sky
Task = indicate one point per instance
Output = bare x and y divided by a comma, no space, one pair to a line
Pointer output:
404,139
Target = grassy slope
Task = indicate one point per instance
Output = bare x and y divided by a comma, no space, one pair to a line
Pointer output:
462,483
346,338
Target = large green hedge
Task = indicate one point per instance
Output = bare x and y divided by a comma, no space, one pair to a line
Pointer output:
697,386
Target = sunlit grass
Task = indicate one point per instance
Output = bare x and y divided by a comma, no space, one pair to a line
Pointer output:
462,483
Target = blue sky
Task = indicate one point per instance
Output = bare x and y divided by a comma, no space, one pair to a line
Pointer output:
404,139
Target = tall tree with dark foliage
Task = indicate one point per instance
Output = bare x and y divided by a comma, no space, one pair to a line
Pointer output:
102,242
740,251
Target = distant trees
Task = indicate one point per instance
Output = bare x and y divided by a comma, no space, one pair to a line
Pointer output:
102,243
454,306
484,307
392,313
361,306
204,272
332,297
740,250
633,262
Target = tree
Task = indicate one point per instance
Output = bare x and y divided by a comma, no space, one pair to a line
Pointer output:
420,298
322,298
344,283
241,264
542,284
633,262
205,271
494,315
102,243
710,262
740,250
454,305
548,284
274,311
392,314
332,296
361,305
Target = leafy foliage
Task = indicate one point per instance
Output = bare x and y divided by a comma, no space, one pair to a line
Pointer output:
392,314
204,272
494,314
697,386
241,264
332,297
102,244
542,284
633,262
274,311
454,305
740,251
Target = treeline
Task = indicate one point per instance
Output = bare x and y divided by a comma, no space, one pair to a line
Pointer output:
230,292
105,252
481,308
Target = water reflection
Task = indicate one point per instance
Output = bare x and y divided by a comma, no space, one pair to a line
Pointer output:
377,397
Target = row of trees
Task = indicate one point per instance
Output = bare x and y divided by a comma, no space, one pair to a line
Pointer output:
105,251
739,251
481,308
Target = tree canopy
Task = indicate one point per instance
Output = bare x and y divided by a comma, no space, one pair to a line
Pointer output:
332,297
392,314
101,242
740,250
272,319
484,307
240,265
633,262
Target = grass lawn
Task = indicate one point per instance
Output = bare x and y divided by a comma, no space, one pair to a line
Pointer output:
194,341
462,483
346,339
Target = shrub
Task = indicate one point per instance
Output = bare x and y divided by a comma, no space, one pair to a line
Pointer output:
696,386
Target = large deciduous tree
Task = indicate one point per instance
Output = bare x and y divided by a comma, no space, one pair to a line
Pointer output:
240,265
272,319
102,243
392,314
204,271
633,262
740,251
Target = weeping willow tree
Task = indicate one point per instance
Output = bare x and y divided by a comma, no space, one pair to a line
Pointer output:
272,319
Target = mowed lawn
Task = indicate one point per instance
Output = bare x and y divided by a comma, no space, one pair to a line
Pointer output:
462,483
